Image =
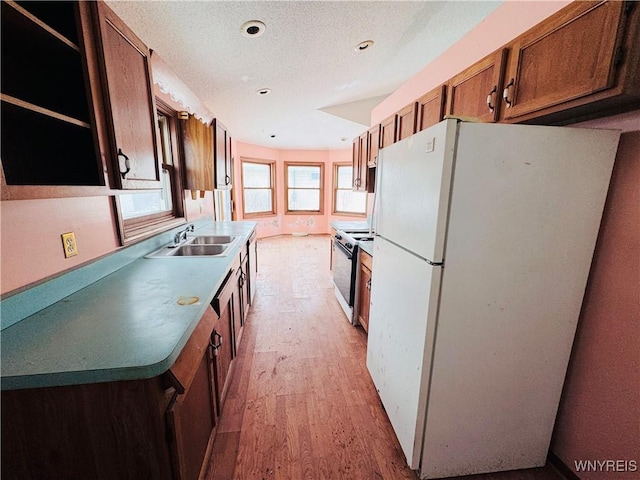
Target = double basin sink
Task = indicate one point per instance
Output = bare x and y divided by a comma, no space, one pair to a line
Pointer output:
198,246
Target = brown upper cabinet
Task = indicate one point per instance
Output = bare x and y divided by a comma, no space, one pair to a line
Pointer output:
197,139
374,146
360,162
580,60
222,156
388,131
430,108
474,92
130,109
406,122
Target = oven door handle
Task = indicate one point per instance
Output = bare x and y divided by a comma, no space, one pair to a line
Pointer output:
344,250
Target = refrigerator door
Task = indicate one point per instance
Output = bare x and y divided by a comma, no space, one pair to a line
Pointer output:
404,301
412,193
524,216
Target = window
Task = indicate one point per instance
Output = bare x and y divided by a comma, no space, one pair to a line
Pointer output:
258,186
303,187
345,200
147,213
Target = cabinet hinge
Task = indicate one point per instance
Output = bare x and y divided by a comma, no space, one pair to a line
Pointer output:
619,56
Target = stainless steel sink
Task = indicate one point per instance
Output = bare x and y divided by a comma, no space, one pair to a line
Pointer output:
191,250
211,240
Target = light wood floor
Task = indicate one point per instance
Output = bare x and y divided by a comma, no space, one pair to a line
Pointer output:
301,404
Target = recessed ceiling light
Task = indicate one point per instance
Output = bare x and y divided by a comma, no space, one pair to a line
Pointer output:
363,45
263,91
253,28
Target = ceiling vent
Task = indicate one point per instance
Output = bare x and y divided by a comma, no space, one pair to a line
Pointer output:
253,28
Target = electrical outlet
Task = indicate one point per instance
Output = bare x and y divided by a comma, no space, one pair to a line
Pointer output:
69,244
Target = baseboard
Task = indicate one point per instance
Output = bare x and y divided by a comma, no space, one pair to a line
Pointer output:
562,467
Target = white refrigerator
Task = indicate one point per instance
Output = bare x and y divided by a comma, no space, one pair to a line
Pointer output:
484,240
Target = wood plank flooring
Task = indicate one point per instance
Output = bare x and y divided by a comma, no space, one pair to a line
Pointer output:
301,404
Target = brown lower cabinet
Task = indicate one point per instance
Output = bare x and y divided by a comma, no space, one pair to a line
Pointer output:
157,428
364,289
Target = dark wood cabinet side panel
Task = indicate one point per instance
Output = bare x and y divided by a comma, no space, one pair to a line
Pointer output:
101,431
374,146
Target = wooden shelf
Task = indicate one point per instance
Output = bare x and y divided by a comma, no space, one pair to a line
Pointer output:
44,111
40,23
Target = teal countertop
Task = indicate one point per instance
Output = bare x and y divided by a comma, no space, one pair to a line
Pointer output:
131,324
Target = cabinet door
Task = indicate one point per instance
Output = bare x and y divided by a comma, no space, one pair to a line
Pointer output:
244,290
570,56
193,418
406,122
222,340
388,131
237,301
475,91
365,297
228,165
374,146
360,175
223,179
197,141
131,104
430,108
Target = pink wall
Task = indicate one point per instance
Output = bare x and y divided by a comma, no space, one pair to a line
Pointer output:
281,223
599,413
31,229
507,22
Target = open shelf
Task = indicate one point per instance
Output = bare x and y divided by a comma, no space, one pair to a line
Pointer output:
56,17
39,149
47,135
42,71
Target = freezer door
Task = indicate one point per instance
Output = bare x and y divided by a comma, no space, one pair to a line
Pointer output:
404,301
414,180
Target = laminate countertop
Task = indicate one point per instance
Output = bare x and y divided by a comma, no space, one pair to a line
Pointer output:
130,324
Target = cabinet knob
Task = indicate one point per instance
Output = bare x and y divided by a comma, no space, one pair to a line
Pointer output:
127,163
227,179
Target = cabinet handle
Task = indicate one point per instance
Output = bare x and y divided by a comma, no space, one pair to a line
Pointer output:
490,98
216,345
369,284
505,94
227,179
127,164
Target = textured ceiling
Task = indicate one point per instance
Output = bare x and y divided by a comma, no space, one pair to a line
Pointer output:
321,87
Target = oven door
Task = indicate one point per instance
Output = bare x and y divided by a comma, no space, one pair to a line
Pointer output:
342,271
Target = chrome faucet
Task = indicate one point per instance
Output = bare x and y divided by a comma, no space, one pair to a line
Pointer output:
181,236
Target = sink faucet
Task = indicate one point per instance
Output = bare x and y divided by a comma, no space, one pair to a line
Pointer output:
181,236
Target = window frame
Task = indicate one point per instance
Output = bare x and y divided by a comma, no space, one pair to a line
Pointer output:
334,209
287,211
272,167
135,229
